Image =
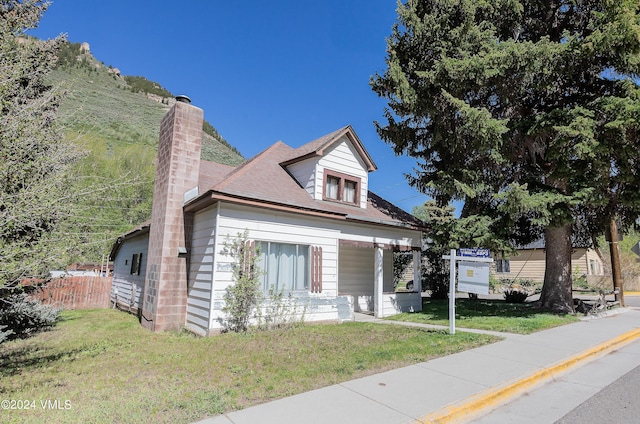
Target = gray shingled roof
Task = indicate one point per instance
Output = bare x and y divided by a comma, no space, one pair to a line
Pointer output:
264,178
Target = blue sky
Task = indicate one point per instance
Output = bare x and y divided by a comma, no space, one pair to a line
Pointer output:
262,71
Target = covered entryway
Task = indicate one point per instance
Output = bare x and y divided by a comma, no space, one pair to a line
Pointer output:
365,277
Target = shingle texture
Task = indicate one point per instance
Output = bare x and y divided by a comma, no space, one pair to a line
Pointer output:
264,178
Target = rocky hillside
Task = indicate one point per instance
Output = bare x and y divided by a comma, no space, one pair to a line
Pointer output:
115,120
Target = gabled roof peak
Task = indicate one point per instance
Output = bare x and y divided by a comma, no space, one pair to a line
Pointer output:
318,147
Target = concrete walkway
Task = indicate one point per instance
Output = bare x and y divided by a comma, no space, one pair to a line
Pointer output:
453,388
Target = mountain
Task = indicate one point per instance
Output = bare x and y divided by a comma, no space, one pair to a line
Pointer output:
115,121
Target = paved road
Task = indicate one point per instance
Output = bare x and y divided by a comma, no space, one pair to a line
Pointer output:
600,384
616,403
632,301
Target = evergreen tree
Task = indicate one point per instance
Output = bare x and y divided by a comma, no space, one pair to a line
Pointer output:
438,242
34,159
526,110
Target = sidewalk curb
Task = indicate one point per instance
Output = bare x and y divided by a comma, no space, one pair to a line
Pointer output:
476,404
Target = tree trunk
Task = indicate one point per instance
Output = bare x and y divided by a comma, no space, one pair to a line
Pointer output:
556,293
614,253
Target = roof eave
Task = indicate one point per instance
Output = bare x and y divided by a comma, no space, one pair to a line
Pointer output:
212,197
386,222
138,231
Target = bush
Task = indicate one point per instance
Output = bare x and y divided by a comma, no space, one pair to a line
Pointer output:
518,291
23,316
494,284
242,297
438,284
4,335
279,311
515,295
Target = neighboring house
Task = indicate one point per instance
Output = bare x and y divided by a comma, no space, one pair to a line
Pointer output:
85,269
324,237
529,263
62,274
103,269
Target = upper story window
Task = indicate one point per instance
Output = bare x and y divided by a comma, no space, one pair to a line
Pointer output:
331,187
341,187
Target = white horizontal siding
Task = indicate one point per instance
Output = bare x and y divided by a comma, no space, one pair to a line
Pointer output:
356,275
343,158
281,227
199,287
285,227
395,303
277,227
305,173
127,288
381,235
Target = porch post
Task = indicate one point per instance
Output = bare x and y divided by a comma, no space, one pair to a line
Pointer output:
378,283
417,275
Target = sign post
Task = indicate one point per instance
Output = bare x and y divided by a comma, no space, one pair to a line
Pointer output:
473,276
452,292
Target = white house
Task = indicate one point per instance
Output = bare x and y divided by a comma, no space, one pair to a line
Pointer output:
324,237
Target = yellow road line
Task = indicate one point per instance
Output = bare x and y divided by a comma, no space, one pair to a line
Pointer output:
495,396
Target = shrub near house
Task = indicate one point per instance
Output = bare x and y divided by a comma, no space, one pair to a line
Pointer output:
22,316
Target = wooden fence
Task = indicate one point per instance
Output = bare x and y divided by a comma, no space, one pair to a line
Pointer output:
79,292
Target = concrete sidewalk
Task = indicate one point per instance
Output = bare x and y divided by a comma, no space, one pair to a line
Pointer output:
453,388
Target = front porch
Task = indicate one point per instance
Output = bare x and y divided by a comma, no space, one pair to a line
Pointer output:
365,278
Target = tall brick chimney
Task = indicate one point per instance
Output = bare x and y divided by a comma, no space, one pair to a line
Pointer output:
165,287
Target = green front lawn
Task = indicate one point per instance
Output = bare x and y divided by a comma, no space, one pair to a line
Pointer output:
495,315
102,366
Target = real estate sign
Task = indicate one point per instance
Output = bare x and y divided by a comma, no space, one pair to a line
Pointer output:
474,252
473,277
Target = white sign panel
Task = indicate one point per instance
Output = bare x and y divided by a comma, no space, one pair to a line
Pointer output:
473,277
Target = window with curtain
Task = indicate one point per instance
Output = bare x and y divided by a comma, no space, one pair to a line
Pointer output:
341,187
349,195
331,189
284,266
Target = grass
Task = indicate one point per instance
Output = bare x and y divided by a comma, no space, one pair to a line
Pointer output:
106,368
118,130
99,104
495,315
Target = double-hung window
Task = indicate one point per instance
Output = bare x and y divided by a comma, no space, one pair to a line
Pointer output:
341,187
503,265
331,187
285,267
349,191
